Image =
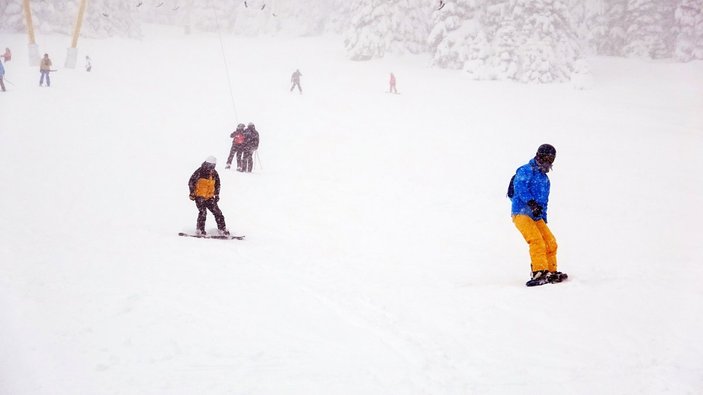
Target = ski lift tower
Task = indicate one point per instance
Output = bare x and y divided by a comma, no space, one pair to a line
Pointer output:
33,49
72,53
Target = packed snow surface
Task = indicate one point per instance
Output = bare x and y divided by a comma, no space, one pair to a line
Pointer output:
380,257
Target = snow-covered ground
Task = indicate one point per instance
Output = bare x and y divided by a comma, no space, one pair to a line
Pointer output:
380,257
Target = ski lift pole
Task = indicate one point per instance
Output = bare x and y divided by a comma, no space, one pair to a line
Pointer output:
32,46
256,153
72,52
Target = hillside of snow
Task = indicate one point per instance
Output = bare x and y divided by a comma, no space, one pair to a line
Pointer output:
380,257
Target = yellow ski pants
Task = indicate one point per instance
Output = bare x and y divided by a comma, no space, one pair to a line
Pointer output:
543,245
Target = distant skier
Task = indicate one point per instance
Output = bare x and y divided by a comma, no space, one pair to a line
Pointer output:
2,76
45,69
237,147
251,144
529,193
7,56
204,187
88,64
392,88
295,81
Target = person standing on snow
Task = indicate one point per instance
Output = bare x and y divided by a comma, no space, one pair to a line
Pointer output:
529,193
204,187
392,88
45,69
251,144
2,75
295,81
237,147
7,56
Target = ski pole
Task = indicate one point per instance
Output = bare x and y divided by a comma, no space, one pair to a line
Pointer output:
8,81
256,153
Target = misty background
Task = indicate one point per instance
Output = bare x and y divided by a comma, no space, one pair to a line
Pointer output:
523,40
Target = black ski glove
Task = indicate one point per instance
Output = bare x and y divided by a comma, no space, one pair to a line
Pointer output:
192,197
536,208
217,198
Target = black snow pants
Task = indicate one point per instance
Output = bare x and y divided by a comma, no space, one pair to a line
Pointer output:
248,161
209,204
235,151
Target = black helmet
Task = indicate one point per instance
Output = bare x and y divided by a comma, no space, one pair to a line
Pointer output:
545,157
547,149
250,125
240,126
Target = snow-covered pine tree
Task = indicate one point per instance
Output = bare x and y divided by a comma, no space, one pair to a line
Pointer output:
411,25
106,18
649,28
590,23
502,63
689,30
456,27
544,44
12,16
369,32
379,26
614,39
52,16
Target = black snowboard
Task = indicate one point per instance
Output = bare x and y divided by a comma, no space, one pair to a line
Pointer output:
218,237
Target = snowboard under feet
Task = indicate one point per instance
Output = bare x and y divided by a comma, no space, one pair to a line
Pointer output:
218,237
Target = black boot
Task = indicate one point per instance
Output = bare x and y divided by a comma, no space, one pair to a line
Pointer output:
539,277
556,277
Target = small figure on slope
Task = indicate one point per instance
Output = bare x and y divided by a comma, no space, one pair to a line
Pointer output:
45,69
88,65
251,144
237,147
295,81
529,193
204,187
7,56
391,83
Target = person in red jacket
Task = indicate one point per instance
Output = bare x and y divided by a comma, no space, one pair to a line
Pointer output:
237,147
392,88
7,56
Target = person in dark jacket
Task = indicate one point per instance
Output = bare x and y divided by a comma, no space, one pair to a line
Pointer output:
237,147
295,81
204,187
530,198
251,144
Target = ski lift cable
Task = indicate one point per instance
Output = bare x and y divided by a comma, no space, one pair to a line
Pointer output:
224,59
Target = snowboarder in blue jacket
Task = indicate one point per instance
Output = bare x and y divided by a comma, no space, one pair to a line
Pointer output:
529,193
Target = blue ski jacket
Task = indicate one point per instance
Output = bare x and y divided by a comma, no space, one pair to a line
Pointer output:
530,183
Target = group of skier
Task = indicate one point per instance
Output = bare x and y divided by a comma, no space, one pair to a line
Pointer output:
528,191
245,141
45,69
204,183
